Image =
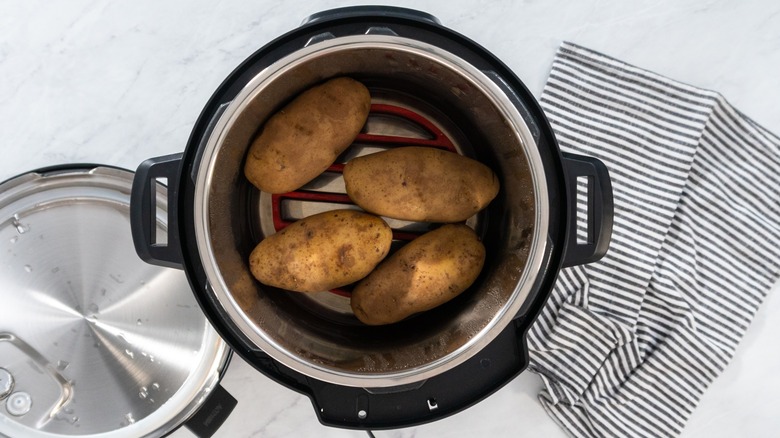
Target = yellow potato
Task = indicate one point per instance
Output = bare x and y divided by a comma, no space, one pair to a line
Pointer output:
299,142
322,252
420,184
425,273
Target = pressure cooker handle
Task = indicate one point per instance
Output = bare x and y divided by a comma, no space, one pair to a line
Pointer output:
599,209
143,211
364,12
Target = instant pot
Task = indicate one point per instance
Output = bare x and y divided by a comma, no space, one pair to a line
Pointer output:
430,86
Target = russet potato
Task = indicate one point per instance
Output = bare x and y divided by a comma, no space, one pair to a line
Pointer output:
420,184
322,252
305,137
425,273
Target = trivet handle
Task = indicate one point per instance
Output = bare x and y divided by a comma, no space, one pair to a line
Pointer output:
600,209
143,211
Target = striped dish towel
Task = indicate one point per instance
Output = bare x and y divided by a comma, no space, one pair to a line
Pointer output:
626,346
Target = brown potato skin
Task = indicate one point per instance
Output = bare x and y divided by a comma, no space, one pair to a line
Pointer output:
322,252
420,184
427,272
300,141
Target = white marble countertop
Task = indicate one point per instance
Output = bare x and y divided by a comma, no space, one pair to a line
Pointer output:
119,82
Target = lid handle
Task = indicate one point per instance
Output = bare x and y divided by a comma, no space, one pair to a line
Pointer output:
214,411
143,211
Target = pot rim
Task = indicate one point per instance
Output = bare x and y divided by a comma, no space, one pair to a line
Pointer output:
259,339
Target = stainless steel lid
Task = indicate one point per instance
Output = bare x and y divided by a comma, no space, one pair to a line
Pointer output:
93,341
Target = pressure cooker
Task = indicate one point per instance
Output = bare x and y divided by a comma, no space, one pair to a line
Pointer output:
430,86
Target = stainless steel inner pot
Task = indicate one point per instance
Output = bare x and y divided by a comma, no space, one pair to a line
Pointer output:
316,334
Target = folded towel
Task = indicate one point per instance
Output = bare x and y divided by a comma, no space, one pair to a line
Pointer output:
627,346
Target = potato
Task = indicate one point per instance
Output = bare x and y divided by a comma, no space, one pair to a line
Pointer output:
420,184
321,252
425,273
299,142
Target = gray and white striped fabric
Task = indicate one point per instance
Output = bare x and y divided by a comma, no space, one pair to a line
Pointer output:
627,346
